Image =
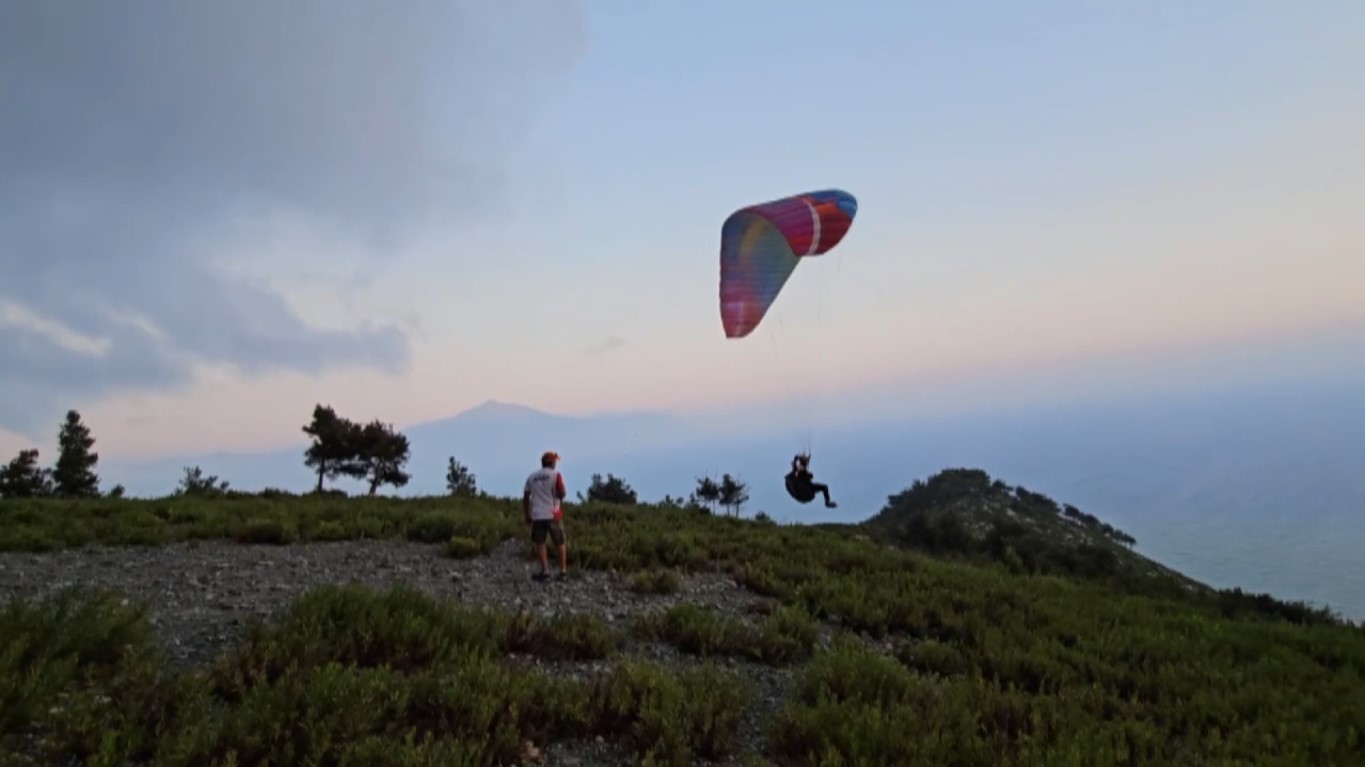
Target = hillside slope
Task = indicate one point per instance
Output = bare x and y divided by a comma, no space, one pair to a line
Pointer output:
965,512
344,630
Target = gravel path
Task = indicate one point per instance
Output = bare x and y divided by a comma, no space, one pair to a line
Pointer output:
202,593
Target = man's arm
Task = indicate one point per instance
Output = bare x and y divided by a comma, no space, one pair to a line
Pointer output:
560,491
526,500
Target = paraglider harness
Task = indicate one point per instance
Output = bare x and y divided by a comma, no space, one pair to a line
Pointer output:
798,480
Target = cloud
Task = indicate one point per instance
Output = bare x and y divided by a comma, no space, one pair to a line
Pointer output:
140,141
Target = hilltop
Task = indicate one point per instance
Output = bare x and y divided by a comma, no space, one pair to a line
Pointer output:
967,513
406,631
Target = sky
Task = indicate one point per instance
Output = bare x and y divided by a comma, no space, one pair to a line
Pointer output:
214,216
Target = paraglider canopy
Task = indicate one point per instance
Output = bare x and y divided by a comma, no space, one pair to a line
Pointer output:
761,245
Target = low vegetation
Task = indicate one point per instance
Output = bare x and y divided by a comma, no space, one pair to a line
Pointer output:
895,652
347,676
784,636
969,622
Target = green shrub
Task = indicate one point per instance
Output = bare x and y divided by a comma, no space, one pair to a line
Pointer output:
432,527
785,636
48,647
261,530
460,547
670,717
327,530
655,582
562,637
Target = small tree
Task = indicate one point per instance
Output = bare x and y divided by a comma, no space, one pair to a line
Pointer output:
74,474
459,479
380,456
24,478
335,447
707,492
195,483
733,494
613,489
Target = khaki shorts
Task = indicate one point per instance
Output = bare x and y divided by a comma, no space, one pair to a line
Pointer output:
555,528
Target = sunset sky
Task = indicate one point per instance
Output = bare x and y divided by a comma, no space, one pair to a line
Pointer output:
214,218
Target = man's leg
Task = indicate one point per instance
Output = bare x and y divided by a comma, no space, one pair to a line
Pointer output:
823,489
561,543
539,529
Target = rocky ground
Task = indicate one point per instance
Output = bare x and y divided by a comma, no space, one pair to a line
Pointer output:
202,593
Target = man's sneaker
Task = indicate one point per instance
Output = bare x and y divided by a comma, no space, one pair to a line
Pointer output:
540,577
562,576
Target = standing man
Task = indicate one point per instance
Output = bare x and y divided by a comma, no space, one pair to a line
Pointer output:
540,502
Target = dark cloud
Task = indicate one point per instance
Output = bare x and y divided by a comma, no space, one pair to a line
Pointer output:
136,136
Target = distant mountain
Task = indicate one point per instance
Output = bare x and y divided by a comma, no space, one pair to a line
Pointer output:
500,442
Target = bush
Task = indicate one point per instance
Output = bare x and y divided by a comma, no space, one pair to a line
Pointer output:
671,717
655,582
786,635
464,548
260,530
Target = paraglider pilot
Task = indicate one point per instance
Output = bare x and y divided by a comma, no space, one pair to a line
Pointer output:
801,484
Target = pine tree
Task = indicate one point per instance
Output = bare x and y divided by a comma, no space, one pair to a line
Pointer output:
733,493
613,489
23,478
459,479
335,445
74,474
380,455
195,483
707,492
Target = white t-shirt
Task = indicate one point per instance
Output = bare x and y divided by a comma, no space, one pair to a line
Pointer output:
546,487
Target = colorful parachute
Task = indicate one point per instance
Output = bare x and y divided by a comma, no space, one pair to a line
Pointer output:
761,245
